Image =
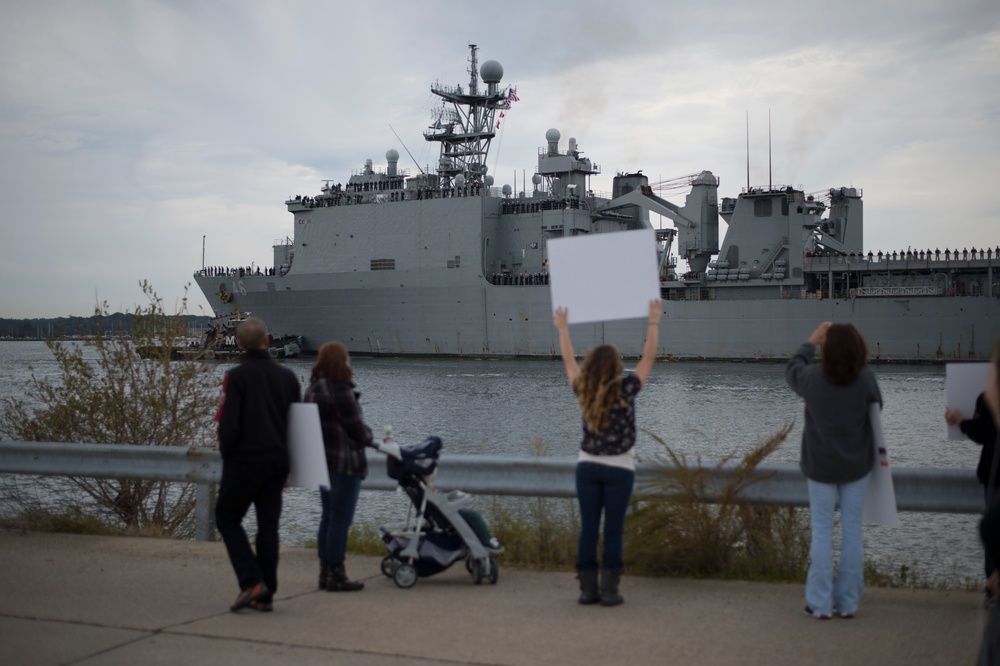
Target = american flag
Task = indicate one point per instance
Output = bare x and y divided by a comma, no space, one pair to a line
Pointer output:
512,95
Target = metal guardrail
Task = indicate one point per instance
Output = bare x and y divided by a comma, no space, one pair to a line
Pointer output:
925,490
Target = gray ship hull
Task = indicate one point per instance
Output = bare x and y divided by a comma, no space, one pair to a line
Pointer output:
486,320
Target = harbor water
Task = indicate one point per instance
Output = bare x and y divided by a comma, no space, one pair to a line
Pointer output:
706,410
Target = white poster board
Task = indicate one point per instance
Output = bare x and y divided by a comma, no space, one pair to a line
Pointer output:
305,447
963,382
600,277
880,499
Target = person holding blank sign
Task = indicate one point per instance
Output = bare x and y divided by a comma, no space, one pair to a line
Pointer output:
989,531
605,472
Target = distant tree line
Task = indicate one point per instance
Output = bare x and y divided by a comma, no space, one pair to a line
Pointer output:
69,327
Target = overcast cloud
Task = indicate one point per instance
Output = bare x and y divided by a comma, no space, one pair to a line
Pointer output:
131,130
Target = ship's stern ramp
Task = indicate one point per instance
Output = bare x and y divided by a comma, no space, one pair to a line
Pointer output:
697,221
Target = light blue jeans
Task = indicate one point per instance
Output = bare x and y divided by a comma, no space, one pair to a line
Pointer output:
822,594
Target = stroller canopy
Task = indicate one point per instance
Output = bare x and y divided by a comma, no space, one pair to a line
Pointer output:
418,460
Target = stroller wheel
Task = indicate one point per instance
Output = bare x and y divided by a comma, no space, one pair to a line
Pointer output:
389,565
494,571
468,563
477,572
405,575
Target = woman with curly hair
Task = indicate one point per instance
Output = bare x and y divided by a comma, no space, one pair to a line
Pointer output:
605,470
838,447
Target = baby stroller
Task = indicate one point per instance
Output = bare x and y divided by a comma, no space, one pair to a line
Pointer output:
443,532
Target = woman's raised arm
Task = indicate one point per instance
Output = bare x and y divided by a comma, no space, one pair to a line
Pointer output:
645,365
560,319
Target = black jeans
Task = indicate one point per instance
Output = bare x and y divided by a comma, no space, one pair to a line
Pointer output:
245,483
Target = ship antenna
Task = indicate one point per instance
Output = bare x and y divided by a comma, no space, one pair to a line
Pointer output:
748,151
770,186
407,151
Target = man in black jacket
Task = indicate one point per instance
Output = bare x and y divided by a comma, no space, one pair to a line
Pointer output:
981,429
253,441
989,529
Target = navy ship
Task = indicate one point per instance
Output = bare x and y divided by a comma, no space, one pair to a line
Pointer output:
443,262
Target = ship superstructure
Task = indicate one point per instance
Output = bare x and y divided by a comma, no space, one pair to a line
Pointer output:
442,262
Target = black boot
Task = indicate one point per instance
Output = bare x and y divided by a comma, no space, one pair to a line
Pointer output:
324,573
588,586
609,587
337,580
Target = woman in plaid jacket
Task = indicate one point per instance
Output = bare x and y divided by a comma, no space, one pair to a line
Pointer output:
345,436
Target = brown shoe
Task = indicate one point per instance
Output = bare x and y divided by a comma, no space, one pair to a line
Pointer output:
258,592
262,606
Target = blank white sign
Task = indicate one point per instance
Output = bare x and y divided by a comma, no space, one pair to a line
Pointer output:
600,277
305,447
963,382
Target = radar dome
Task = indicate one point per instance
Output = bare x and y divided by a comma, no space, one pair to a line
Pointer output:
536,179
489,181
392,155
459,180
507,190
491,71
552,135
705,178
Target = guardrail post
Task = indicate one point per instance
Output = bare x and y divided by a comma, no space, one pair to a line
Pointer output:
204,512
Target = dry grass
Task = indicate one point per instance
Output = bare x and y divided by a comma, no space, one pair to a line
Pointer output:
673,530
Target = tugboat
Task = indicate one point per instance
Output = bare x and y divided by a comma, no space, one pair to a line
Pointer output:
218,343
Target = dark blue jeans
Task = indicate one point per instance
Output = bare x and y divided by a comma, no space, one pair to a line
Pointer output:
339,503
602,488
991,566
244,483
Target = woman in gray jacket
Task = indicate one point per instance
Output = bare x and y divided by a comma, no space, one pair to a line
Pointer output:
837,457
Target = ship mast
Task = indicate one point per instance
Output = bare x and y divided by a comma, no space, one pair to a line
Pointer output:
465,124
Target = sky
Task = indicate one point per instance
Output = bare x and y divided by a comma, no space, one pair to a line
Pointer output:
138,137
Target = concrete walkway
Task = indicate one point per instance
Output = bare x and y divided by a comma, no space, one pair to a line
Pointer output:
89,600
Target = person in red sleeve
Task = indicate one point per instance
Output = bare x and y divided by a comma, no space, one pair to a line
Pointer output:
253,441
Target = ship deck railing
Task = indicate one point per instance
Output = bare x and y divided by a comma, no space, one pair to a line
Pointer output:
927,290
927,261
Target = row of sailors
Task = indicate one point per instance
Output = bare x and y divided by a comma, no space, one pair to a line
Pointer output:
326,201
965,254
519,279
241,271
